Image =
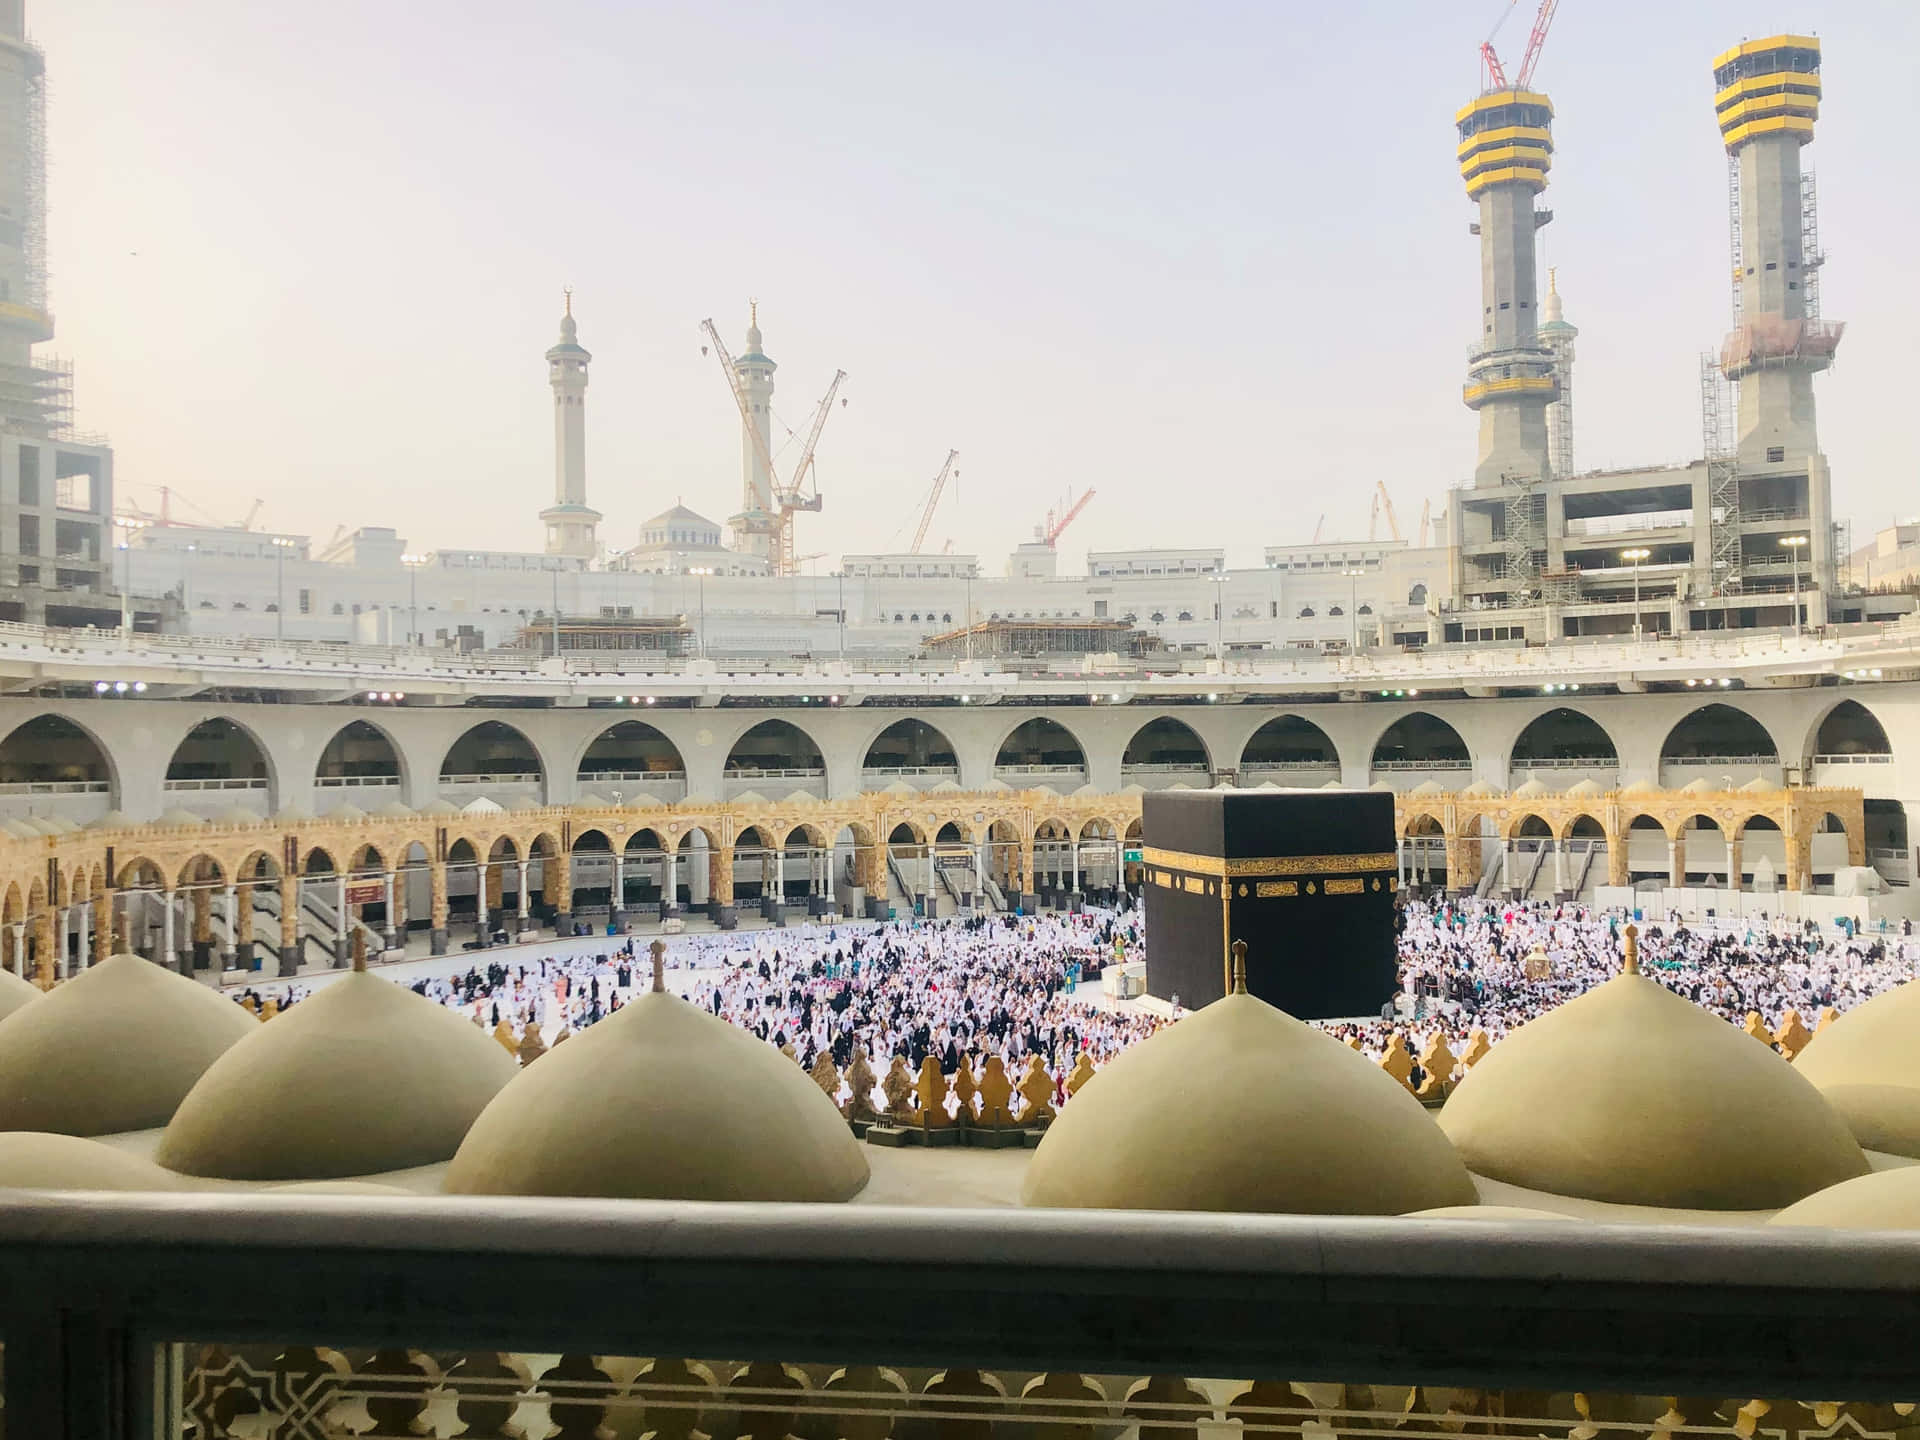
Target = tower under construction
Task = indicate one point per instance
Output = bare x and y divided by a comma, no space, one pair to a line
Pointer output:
1767,97
1506,148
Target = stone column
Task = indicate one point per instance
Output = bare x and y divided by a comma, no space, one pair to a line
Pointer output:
488,901
1676,860
393,912
525,898
1029,900
170,959
62,923
670,890
342,922
18,934
202,902
81,936
290,924
43,970
1798,868
617,912
230,900
243,928
1736,861
1073,874
557,871
1560,877
437,888
103,922
720,886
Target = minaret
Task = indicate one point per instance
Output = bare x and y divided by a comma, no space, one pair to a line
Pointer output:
1767,98
1558,336
24,321
754,526
570,524
1506,147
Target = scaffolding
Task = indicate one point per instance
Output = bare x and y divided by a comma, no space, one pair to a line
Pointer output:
33,241
1526,514
1737,244
1811,259
1718,445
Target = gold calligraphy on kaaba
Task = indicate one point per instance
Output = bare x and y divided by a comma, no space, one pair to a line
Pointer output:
1274,889
1352,886
1194,885
1272,864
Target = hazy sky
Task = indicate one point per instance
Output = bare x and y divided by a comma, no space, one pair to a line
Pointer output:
1210,259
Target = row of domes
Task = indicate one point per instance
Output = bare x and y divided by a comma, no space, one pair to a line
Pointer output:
1629,1095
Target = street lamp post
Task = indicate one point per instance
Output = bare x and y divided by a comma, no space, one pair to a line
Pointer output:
126,589
841,612
186,596
1636,556
1219,618
413,564
554,626
281,544
969,615
1795,544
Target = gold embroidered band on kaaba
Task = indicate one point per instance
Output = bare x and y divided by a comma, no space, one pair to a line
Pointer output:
1272,864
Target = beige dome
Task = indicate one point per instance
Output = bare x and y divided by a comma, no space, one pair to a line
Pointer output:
1242,1107
1486,1212
15,992
113,1049
1863,1064
360,1077
34,1160
661,1101
1634,1096
1885,1200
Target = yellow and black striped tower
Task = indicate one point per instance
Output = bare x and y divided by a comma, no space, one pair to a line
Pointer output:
1506,148
1766,98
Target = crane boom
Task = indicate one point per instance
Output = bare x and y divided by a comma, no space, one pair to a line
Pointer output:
1382,500
1074,507
1542,19
1426,522
933,500
789,495
739,393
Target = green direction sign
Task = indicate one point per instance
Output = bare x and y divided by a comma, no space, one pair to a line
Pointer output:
1132,857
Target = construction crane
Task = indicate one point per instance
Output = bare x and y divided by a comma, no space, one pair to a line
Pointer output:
933,500
1426,522
1493,75
1383,501
793,495
1058,520
1318,526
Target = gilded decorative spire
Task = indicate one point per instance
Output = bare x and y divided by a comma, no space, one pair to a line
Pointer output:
659,949
568,292
1239,967
1630,962
1553,280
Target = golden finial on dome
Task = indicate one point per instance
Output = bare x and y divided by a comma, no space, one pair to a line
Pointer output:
568,293
753,311
659,950
1630,962
1553,279
1239,967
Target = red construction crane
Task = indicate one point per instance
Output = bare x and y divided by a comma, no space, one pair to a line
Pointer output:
1058,520
1493,75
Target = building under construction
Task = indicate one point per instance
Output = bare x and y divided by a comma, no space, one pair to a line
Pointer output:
56,487
1744,536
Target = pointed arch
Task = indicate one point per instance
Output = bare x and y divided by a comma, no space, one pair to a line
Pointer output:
909,746
629,750
492,752
220,753
1420,740
1038,747
360,754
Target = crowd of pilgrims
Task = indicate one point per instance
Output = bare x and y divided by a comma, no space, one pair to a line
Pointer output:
1017,986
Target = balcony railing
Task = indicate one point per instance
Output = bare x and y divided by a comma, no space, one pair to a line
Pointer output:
147,1316
56,787
1042,772
227,782
1862,759
356,782
1438,764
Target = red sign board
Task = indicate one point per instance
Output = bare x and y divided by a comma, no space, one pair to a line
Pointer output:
367,892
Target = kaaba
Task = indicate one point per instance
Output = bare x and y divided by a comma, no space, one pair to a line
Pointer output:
1305,877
